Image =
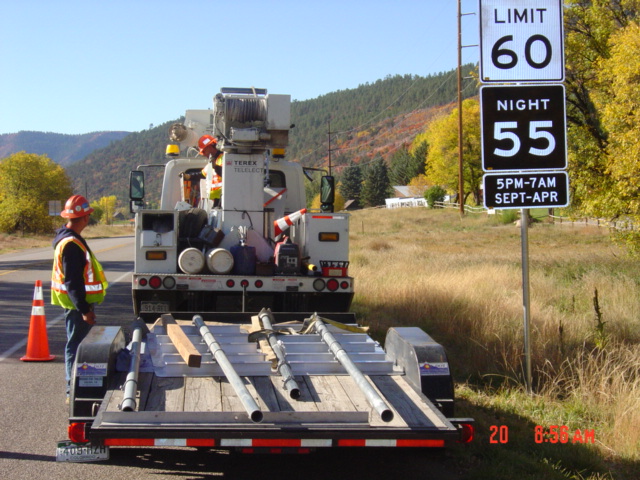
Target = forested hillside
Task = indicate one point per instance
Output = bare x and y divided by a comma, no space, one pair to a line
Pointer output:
372,118
105,172
62,149
366,111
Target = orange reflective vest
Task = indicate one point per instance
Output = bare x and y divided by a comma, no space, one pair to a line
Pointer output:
95,282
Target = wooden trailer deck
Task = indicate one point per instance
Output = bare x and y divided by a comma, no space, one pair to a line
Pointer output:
171,394
325,399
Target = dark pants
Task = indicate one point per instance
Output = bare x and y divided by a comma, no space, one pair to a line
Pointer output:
77,329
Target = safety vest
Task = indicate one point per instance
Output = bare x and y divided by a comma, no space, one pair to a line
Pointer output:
95,282
215,186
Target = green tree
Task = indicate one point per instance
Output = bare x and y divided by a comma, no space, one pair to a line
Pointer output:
376,187
350,186
442,159
435,194
406,165
27,183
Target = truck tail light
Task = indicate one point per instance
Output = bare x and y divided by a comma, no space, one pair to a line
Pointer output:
467,432
155,282
76,432
332,285
142,282
318,284
169,282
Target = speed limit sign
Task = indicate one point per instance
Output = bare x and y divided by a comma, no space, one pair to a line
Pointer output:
521,41
523,127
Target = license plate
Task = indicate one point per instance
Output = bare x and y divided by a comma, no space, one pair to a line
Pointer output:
154,307
68,451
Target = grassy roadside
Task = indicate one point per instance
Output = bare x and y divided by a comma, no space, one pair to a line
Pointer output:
460,280
15,242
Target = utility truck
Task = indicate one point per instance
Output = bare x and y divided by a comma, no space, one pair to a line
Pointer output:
252,345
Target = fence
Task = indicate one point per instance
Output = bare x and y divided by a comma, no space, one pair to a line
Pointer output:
624,224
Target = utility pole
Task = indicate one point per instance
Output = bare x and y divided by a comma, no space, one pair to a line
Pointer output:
329,134
460,155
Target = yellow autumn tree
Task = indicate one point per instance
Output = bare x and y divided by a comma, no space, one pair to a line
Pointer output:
108,206
618,100
619,103
28,182
418,185
442,159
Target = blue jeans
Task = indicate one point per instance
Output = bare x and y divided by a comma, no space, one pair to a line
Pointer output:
77,329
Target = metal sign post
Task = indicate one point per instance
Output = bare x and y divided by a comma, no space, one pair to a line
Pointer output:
526,307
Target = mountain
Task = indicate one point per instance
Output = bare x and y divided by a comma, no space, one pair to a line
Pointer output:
371,119
62,149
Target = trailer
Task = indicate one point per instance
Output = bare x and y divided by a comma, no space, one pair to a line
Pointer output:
243,337
228,391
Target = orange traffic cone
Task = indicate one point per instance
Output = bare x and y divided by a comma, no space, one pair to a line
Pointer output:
285,222
38,344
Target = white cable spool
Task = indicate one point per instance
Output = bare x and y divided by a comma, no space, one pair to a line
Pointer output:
191,261
219,260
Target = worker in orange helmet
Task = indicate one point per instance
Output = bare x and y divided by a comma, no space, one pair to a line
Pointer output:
77,279
209,148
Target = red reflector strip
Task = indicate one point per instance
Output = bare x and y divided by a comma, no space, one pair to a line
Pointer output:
129,442
160,442
201,442
351,443
321,216
420,443
285,442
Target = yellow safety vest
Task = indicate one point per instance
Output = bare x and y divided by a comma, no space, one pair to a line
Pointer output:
95,282
215,186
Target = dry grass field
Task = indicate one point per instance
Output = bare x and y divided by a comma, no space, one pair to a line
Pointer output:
461,281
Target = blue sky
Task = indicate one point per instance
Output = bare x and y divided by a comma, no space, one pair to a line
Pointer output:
91,65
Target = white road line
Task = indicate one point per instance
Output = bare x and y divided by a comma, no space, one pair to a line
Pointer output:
7,353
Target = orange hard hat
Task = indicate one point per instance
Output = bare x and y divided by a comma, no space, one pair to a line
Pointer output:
77,206
206,144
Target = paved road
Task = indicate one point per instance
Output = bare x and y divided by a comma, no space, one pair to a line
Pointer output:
33,414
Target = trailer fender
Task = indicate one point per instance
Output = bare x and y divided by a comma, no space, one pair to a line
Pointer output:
95,366
425,364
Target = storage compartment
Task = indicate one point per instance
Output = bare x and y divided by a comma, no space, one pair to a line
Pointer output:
323,236
156,242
